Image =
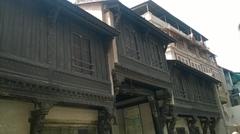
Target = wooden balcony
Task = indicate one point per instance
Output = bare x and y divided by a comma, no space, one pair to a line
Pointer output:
194,61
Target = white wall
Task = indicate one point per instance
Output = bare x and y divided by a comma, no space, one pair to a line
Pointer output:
72,115
94,8
14,117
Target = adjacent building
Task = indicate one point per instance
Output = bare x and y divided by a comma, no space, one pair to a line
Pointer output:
232,108
54,74
194,73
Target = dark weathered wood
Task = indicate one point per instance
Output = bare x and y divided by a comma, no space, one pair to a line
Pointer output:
191,126
140,51
104,122
130,102
38,117
160,113
155,115
212,125
204,124
36,48
171,125
192,90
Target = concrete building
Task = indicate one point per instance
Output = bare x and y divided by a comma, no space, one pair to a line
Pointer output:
232,108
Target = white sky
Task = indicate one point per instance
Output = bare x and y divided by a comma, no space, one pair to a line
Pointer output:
216,19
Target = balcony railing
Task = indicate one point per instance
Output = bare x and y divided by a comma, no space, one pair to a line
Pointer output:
194,61
166,26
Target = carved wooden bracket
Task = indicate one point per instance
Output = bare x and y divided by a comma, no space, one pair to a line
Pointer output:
38,117
212,124
191,121
117,82
204,125
158,117
171,125
104,122
118,16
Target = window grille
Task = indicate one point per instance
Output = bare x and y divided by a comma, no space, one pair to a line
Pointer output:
157,58
131,45
81,55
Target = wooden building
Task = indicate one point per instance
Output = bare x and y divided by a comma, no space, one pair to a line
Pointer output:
194,73
54,75
140,74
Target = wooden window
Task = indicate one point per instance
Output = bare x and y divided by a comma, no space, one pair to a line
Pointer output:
157,58
131,44
81,54
178,85
185,86
180,130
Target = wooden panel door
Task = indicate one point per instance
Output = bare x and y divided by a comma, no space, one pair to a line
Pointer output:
133,122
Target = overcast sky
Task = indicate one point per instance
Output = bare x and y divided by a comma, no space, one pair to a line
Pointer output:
217,20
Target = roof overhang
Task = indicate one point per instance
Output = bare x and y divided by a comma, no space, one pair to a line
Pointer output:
185,67
131,15
83,16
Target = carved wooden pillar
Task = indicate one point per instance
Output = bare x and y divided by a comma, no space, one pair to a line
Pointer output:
104,122
52,40
191,125
38,117
204,125
171,125
155,114
212,124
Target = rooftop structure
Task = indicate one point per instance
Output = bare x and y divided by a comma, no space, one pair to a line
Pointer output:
189,47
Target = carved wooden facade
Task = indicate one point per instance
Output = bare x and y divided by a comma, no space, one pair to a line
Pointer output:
140,74
53,53
140,48
194,97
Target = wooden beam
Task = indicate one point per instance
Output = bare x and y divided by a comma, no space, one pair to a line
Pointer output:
137,91
132,101
158,124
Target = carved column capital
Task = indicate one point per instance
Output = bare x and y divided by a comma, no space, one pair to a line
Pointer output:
38,117
158,115
204,124
191,121
104,121
212,124
117,82
171,125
